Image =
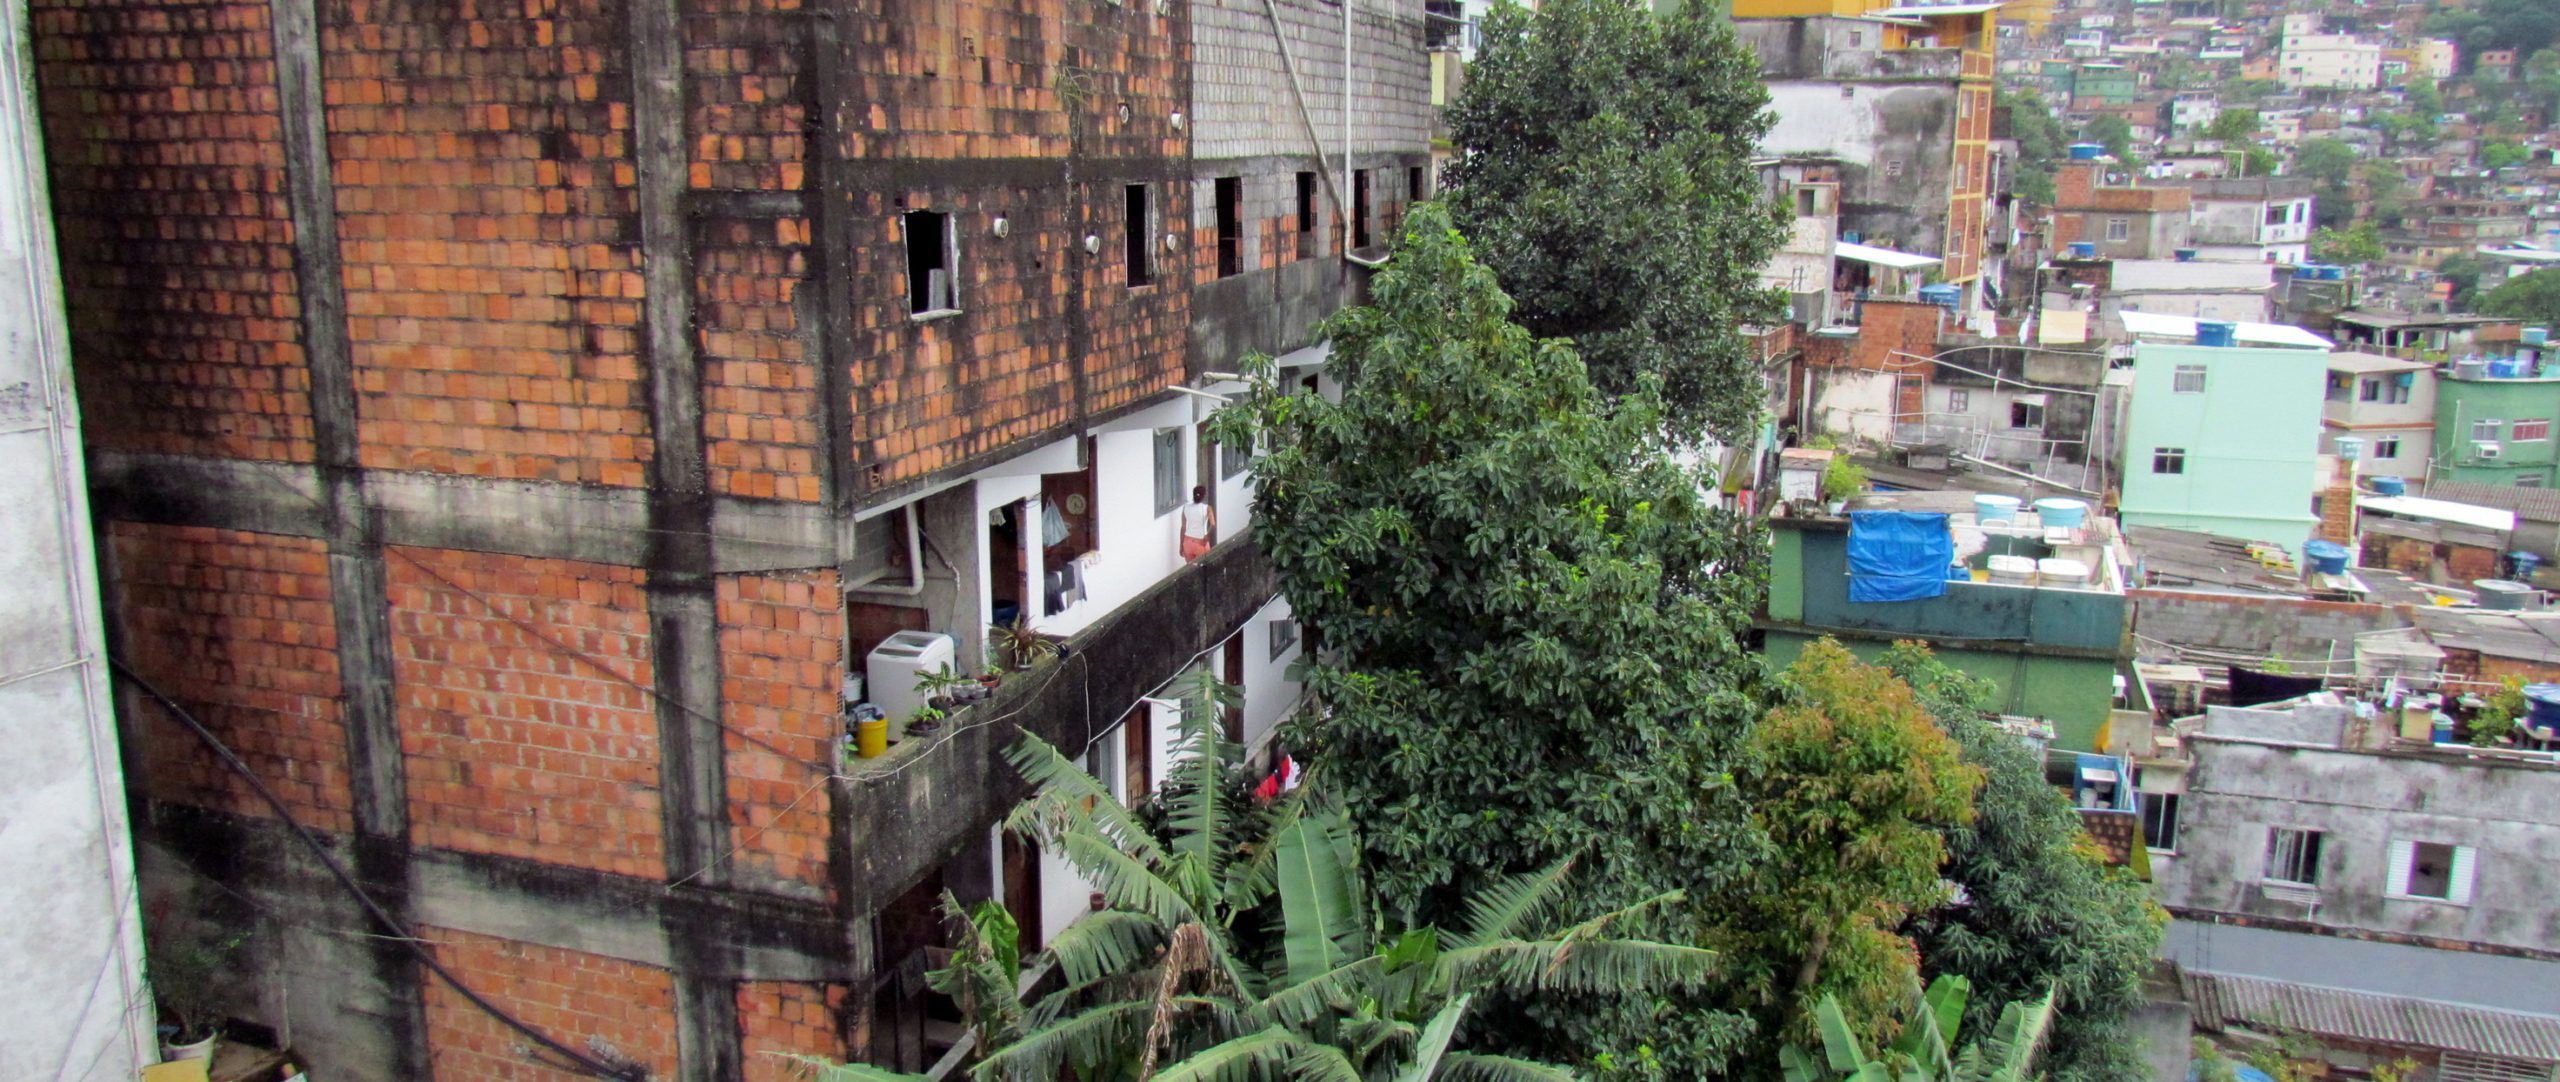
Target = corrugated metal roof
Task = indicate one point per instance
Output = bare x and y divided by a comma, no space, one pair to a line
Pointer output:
2220,1000
2492,632
2536,504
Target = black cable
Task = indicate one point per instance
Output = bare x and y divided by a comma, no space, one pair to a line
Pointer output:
578,1062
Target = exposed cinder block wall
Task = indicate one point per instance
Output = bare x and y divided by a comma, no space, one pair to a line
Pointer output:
2259,626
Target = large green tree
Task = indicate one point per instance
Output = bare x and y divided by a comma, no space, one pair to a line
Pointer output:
2533,297
2523,25
2041,143
2112,132
2231,125
1607,179
1531,623
1853,782
2043,910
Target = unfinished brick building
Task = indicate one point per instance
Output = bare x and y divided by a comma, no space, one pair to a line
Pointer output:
511,424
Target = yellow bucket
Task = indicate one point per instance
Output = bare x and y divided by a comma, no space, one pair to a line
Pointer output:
871,738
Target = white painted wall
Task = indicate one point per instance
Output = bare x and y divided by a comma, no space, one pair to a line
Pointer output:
1854,406
1138,547
74,1007
1269,694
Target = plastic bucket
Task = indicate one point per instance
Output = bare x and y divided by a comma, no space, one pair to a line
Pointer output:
871,738
1995,508
2058,511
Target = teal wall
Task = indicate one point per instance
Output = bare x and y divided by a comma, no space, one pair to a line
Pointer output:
2252,441
1812,576
2460,402
2073,694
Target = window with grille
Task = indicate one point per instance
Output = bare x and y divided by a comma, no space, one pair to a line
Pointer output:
2369,391
2026,415
2168,460
2119,229
2293,857
2484,431
1959,401
2189,379
2387,447
2159,820
2432,871
2537,429
1284,638
1168,471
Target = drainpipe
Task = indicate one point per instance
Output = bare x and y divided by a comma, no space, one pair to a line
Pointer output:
1344,191
915,565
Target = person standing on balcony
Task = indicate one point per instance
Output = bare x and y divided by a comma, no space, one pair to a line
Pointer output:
1199,520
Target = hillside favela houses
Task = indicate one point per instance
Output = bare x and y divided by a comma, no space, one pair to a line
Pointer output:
526,434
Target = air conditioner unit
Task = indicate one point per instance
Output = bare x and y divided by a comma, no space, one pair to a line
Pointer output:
2484,449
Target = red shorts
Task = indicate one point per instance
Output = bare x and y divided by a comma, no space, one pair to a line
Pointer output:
1193,548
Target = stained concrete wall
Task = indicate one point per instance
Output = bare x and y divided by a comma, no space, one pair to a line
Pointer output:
2273,626
2241,786
74,1006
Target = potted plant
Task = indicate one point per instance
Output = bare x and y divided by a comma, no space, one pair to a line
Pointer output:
186,970
944,688
1841,480
925,720
1021,647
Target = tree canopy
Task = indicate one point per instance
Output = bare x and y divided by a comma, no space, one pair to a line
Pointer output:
2523,25
1607,179
2232,125
2358,243
1531,621
2043,910
2534,297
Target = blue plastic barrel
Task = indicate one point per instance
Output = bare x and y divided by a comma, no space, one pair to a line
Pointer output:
2084,249
2057,511
2212,332
2387,485
2327,557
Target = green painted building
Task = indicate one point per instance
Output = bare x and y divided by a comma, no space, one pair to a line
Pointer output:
2104,84
2224,439
2049,651
2495,430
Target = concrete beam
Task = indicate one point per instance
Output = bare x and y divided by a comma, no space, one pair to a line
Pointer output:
934,796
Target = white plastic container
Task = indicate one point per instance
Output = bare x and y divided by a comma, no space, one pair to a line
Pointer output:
2012,570
2062,572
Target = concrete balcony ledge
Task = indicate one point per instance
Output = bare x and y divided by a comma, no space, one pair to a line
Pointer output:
934,794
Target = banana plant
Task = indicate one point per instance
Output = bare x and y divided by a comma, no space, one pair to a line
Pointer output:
1922,1053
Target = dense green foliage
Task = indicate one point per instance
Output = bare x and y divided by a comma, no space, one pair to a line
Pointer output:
2533,297
1607,179
2044,910
2358,243
1531,623
1927,1050
2232,125
2112,132
2041,142
2523,25
1852,781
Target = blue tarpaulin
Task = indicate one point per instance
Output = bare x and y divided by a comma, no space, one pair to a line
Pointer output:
1898,555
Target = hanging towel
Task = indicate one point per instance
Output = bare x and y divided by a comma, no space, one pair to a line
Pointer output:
1898,555
1053,526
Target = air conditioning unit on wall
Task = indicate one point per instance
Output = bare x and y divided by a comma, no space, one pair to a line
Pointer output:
2484,450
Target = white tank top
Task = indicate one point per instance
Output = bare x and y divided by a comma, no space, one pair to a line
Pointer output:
1195,520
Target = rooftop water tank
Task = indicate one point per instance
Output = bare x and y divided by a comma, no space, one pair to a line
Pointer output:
2186,255
2386,485
2351,448
2087,152
2330,273
2471,368
2537,336
2214,332
2502,593
2013,570
1991,508
2542,706
2062,572
2327,557
2508,368
1943,295
2083,249
2057,511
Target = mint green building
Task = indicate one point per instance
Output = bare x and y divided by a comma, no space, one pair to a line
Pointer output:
2496,430
2050,650
2224,439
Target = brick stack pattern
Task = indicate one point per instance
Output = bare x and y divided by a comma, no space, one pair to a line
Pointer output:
761,424
778,1019
603,1007
523,730
168,182
238,627
485,194
781,660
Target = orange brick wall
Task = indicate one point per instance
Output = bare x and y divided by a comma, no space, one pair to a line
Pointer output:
486,197
747,95
1138,335
782,668
168,186
592,1003
513,746
778,1019
238,628
761,425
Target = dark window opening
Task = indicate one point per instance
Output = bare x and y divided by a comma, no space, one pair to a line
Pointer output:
2026,415
1413,180
1168,471
2159,820
2293,856
929,263
2168,460
1230,226
2431,870
1360,208
1306,215
1140,255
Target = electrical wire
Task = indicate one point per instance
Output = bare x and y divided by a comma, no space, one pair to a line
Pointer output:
575,1060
